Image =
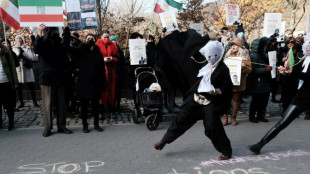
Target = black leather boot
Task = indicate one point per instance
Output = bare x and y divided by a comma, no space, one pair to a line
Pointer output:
291,113
255,148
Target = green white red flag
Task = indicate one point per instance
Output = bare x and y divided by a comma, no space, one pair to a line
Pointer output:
167,5
291,58
35,12
9,13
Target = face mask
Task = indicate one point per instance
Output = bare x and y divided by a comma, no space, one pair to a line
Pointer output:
282,45
90,42
106,41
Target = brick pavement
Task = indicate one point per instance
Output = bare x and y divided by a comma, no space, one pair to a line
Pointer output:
32,116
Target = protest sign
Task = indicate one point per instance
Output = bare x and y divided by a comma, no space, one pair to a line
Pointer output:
137,51
234,65
308,23
81,14
232,14
169,21
272,24
199,27
272,55
282,32
33,13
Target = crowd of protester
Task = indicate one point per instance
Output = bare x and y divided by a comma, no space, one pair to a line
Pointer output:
74,71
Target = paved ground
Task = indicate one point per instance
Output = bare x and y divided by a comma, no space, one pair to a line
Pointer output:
126,148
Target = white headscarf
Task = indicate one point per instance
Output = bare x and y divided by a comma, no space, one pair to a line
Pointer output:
17,41
213,52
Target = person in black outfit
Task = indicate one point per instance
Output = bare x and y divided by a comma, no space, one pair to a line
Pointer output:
91,80
120,73
53,70
207,102
289,84
8,83
299,104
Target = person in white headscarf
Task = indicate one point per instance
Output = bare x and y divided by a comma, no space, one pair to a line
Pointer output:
207,102
301,100
24,71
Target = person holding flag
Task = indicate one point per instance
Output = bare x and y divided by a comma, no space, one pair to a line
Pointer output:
301,100
289,85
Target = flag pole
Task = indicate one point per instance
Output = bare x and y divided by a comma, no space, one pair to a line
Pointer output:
6,42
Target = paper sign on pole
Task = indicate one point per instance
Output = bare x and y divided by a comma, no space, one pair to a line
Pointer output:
272,24
232,14
137,51
169,21
199,27
234,65
81,14
308,23
282,32
33,13
272,55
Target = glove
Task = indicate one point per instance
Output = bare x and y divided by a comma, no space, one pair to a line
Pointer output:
268,68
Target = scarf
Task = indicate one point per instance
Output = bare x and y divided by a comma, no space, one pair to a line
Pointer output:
108,49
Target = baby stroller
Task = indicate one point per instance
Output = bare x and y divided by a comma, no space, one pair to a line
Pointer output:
149,104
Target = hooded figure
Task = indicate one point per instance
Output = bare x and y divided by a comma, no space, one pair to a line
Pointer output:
206,101
300,102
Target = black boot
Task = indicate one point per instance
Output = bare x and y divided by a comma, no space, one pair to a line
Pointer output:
11,126
85,129
255,148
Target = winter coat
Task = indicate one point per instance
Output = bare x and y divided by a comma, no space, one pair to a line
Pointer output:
8,65
24,74
91,81
220,78
53,61
302,97
109,96
258,81
246,70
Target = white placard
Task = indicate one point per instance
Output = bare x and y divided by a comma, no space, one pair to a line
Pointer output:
232,14
272,24
169,21
199,27
73,6
234,65
137,52
272,55
281,36
308,23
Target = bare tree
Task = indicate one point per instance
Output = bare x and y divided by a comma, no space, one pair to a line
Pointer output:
295,5
102,9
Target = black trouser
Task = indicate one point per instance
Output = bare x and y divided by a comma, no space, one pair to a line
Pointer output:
20,92
94,107
291,113
8,101
169,96
190,112
258,105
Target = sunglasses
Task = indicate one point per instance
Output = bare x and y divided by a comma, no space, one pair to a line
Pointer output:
291,42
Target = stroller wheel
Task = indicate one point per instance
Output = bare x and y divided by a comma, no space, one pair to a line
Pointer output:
135,116
152,122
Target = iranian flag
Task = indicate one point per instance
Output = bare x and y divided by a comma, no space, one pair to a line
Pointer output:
167,5
290,58
35,12
9,13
